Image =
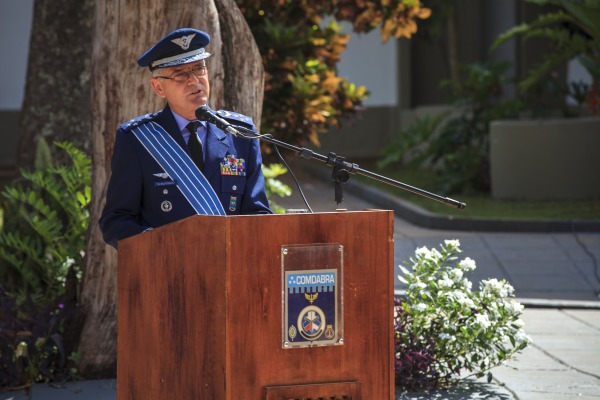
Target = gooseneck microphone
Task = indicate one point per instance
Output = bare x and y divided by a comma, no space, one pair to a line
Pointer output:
204,113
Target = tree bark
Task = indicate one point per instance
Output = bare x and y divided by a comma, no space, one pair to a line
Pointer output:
120,91
57,88
242,64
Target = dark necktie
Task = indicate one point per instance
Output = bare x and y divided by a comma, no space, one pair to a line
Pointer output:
195,145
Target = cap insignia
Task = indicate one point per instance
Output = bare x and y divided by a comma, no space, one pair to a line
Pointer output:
184,41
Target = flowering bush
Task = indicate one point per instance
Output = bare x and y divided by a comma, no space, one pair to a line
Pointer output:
444,329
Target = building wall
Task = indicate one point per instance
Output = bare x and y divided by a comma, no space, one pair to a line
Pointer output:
15,29
374,64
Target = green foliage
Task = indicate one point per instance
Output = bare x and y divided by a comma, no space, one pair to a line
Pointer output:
45,225
573,29
304,96
275,186
410,138
450,327
42,243
457,145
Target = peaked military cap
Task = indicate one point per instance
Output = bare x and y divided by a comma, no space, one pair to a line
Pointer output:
182,46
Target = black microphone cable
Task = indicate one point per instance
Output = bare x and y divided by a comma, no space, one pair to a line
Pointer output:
293,176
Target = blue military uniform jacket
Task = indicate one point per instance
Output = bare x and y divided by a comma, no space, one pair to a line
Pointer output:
140,195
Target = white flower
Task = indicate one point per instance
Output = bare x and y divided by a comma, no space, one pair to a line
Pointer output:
498,288
455,274
492,286
468,264
69,262
452,243
493,309
435,255
446,282
463,300
514,307
519,323
508,290
417,285
521,337
422,253
445,336
483,320
420,307
467,284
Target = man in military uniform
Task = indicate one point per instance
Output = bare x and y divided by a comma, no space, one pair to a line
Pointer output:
168,166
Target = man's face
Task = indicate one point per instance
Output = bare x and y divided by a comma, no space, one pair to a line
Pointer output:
185,87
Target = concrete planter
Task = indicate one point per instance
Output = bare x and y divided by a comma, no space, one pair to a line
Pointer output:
545,159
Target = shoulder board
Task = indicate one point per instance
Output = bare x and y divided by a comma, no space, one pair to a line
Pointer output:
141,120
236,119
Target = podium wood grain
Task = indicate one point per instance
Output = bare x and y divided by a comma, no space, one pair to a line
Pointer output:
200,308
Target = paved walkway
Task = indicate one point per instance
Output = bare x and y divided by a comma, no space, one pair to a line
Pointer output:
554,274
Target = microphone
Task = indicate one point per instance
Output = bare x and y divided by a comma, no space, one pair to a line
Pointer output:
204,113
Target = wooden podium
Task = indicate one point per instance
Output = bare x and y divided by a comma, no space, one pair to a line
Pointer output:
201,310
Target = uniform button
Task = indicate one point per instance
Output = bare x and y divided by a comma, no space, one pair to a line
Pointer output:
165,191
234,187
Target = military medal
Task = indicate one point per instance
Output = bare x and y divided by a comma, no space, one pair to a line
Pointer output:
166,206
232,203
233,166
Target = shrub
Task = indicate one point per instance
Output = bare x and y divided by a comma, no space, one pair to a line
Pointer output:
444,330
42,243
275,186
456,145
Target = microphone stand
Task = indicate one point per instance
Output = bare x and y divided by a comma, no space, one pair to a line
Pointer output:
342,170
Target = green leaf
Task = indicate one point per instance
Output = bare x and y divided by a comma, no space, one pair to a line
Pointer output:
45,221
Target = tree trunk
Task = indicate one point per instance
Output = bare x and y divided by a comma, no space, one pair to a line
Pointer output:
242,64
121,91
57,89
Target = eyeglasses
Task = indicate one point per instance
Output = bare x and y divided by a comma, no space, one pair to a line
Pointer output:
183,76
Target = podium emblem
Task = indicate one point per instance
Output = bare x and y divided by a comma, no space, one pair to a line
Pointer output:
312,321
311,307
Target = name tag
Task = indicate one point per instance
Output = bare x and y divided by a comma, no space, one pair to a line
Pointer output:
165,183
